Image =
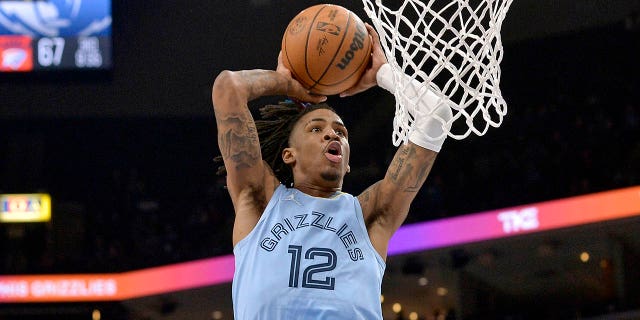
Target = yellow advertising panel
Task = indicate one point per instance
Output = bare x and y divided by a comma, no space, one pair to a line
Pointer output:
33,207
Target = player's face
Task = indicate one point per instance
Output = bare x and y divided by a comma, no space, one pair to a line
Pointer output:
319,148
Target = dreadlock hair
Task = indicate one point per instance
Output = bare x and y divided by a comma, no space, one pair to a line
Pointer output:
274,129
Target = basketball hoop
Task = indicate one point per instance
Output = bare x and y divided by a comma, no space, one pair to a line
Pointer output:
453,49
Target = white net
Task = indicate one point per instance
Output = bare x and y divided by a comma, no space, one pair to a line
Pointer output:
450,47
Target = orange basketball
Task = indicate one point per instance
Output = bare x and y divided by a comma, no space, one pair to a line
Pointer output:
327,48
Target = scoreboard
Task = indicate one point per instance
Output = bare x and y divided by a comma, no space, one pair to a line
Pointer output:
55,35
24,54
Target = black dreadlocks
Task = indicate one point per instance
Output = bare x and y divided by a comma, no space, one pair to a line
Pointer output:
274,129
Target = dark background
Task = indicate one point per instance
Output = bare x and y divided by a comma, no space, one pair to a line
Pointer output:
127,154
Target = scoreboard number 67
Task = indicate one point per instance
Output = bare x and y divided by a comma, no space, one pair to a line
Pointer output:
50,51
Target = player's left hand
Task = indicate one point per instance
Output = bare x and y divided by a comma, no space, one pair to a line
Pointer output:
294,88
378,58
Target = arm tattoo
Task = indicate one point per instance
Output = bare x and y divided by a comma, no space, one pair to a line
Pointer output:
407,171
420,177
262,82
397,170
366,194
239,144
365,198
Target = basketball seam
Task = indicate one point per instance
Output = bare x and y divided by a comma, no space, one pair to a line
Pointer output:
344,35
356,70
295,74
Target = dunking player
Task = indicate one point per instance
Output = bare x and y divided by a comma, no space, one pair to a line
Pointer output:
303,248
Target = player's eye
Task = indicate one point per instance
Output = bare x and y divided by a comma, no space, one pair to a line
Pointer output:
316,129
342,132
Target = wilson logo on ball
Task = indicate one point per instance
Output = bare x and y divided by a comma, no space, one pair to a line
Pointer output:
356,44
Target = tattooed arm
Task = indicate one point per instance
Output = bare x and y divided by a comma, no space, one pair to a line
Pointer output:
250,181
385,204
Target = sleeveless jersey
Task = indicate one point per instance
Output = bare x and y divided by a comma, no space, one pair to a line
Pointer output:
308,258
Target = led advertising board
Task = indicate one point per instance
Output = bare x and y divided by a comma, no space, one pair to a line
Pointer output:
35,207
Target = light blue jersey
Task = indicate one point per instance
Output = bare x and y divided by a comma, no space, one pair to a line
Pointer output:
308,258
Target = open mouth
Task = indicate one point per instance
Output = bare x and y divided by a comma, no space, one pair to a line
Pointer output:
334,152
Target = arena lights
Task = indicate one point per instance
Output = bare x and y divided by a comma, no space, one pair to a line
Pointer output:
584,257
397,307
616,204
216,315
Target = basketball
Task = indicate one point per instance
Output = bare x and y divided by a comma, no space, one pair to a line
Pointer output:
327,48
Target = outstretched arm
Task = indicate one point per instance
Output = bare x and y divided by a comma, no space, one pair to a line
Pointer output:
385,204
249,179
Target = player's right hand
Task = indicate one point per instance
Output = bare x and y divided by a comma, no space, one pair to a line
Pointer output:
368,78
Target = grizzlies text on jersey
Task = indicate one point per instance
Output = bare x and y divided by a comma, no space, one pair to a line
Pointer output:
308,258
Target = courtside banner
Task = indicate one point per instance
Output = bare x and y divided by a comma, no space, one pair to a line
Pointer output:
43,288
118,286
35,207
569,212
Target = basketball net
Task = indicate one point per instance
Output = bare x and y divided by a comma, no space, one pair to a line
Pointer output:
452,48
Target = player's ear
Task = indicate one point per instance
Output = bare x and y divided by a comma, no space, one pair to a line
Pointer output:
288,156
348,168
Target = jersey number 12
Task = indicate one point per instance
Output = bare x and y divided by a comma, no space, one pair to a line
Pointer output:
329,259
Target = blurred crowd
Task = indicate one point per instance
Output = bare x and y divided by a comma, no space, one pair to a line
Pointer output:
136,193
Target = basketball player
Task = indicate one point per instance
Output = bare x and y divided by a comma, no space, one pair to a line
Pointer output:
303,248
